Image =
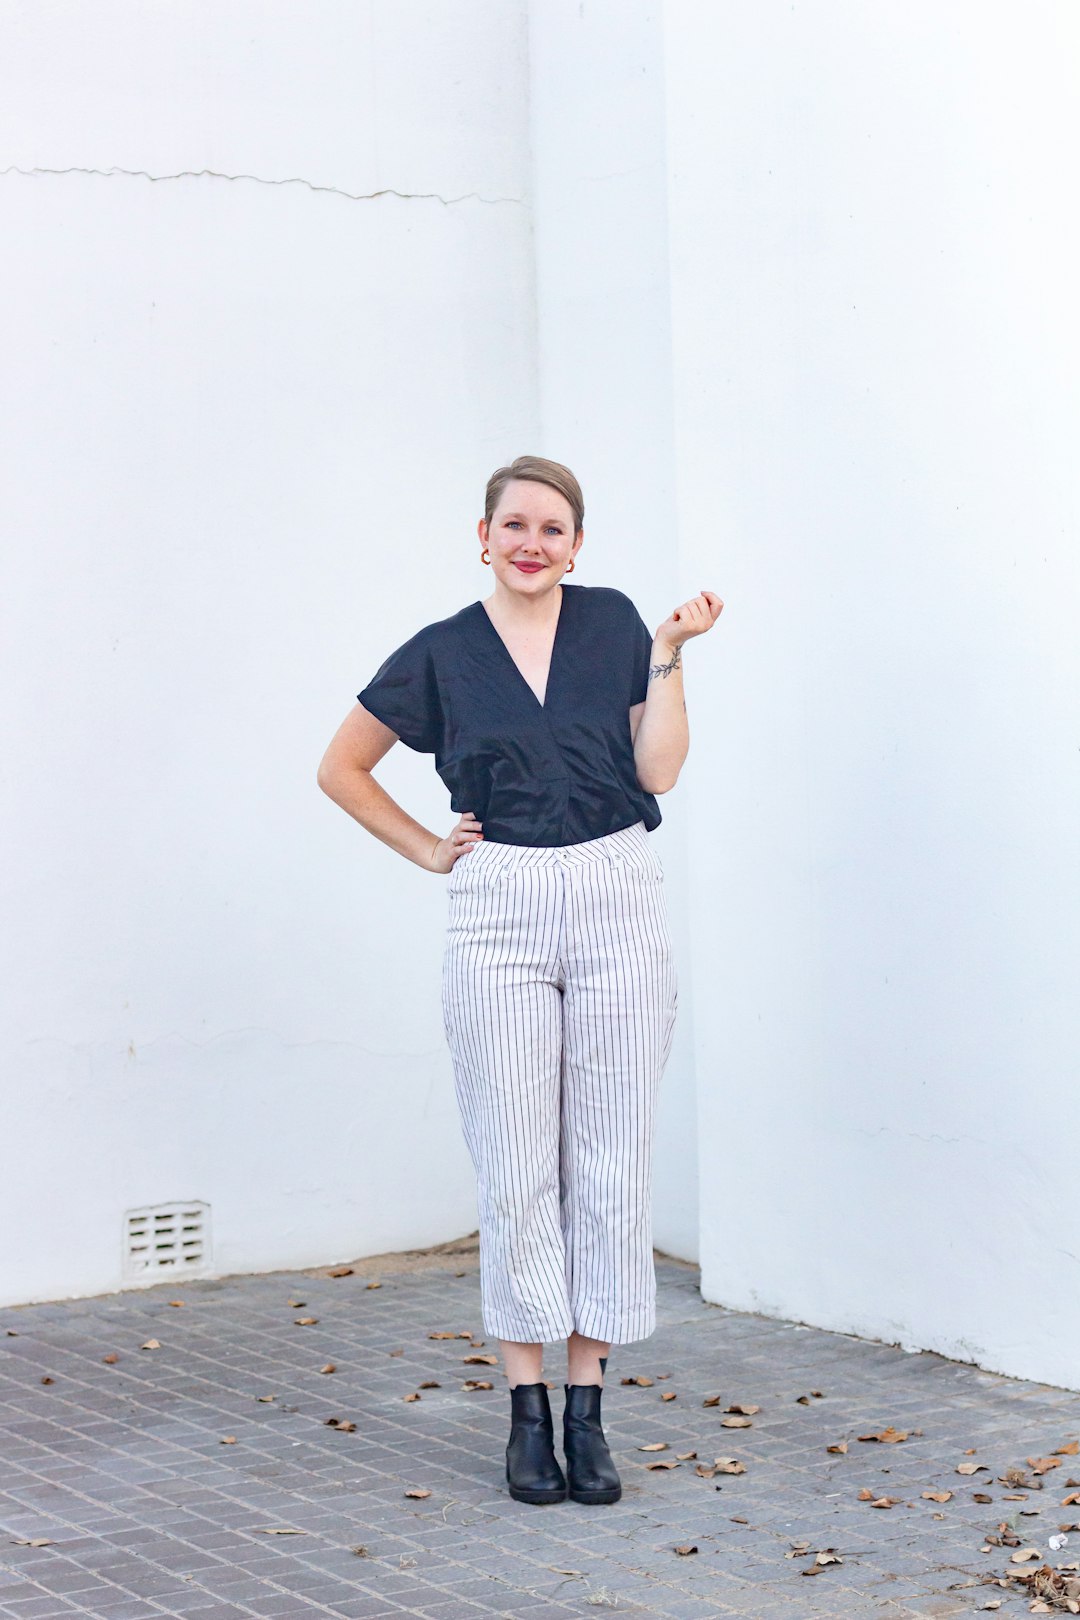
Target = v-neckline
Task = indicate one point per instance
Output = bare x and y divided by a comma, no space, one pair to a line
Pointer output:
486,616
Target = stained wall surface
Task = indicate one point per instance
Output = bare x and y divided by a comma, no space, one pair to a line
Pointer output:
270,323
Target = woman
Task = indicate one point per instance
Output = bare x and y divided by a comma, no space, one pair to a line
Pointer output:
555,716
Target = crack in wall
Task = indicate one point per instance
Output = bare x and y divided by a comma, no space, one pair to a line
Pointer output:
261,180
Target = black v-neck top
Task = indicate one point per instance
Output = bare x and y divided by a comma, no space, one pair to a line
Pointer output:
556,772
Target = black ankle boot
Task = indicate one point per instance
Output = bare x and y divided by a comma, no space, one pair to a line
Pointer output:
532,1468
592,1474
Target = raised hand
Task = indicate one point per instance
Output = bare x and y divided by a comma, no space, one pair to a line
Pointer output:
693,618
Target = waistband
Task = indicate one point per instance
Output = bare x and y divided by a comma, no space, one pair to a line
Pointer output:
494,855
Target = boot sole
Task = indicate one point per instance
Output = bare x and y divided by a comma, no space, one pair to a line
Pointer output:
591,1497
520,1494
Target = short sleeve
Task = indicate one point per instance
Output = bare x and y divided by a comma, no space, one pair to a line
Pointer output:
642,639
403,693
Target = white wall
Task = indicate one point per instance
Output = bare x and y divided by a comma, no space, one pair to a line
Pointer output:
874,248
248,418
790,287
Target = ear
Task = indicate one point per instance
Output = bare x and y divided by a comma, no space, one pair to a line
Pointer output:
481,529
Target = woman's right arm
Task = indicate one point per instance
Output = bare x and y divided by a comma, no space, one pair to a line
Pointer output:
345,776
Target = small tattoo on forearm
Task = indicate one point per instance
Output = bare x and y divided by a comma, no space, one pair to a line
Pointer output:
674,662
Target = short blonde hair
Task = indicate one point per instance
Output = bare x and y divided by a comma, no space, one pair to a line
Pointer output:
539,471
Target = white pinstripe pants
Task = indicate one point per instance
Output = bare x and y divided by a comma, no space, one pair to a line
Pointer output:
559,1005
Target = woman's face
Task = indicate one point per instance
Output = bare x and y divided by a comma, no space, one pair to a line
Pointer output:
531,537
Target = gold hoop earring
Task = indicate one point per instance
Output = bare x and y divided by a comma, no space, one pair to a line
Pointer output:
484,558
570,566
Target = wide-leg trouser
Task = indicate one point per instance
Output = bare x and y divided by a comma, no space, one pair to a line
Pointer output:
559,1003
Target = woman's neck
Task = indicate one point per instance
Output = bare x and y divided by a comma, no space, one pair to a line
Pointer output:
526,612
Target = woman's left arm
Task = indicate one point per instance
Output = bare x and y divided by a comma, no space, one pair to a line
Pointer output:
659,726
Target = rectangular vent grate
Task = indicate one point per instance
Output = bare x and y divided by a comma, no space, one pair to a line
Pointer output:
167,1240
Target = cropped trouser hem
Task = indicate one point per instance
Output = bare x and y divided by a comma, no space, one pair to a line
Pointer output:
559,1001
590,1324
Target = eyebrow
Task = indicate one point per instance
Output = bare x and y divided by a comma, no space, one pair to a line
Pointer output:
520,516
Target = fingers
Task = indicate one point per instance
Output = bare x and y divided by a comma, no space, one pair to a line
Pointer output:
691,614
700,612
468,830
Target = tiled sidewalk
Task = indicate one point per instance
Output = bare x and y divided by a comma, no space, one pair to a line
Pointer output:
122,1467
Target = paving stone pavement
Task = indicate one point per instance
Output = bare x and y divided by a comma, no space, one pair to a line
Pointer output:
123,1469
